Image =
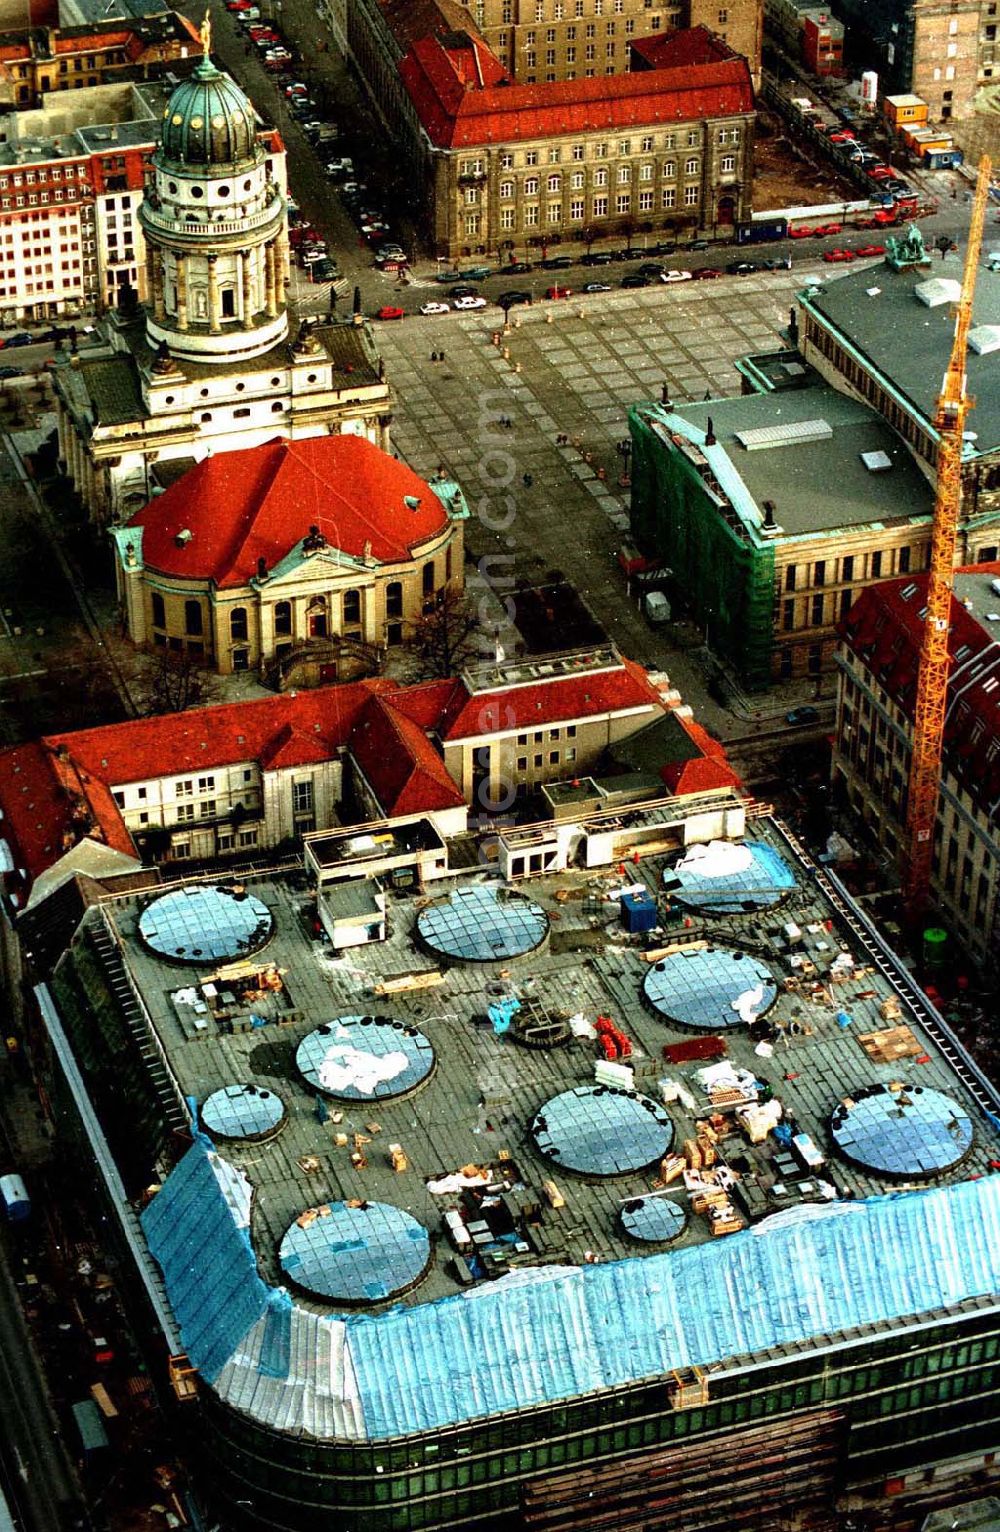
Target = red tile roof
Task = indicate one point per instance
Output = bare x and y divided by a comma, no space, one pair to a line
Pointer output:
400,764
242,507
464,97
587,695
60,789
884,629
686,49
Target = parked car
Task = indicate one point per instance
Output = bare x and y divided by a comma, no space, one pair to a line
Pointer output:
635,279
596,287
557,262
323,271
515,269
435,308
651,269
449,276
340,167
803,233
742,268
596,258
558,292
470,301
390,312
696,244
864,251
11,372
879,173
838,255
514,296
799,716
705,273
822,230
20,338
462,290
675,276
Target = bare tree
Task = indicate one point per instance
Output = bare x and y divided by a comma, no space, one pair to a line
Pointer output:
444,638
170,681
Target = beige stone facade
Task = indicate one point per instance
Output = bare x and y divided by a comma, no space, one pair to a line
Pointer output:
947,54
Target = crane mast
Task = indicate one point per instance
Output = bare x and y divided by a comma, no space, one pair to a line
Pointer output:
953,406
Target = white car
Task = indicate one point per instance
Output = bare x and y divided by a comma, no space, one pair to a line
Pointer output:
675,276
470,302
437,308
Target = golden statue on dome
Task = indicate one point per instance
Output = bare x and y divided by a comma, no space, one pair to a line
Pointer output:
206,33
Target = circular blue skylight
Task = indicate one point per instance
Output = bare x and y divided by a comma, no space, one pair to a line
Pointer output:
482,925
243,1112
710,989
729,877
599,1130
206,923
652,1220
355,1255
365,1058
901,1130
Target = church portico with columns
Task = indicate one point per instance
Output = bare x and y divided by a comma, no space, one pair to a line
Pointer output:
209,365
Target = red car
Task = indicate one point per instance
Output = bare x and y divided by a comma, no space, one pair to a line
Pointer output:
823,229
801,233
558,292
705,273
879,173
838,255
864,250
390,313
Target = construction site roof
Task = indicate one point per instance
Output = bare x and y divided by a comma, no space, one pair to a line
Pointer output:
835,1251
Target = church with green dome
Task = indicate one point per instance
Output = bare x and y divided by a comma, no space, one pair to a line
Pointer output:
208,362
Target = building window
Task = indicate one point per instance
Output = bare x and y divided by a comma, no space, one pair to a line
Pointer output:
302,797
577,148
690,196
159,611
283,617
669,196
876,564
555,212
506,189
352,608
531,186
624,174
788,616
645,202
903,564
576,210
727,164
669,168
623,203
531,156
600,207
238,627
185,813
241,659
472,223
554,183
691,167
508,217
817,611
531,215
193,623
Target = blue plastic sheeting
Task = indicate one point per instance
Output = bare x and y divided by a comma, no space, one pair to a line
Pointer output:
276,1347
548,1333
196,1230
789,1282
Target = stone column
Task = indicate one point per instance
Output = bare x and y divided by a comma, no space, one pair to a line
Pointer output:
270,299
283,266
213,295
180,270
243,264
154,281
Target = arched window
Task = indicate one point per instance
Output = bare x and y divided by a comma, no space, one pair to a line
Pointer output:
159,611
394,598
352,608
238,623
282,617
193,618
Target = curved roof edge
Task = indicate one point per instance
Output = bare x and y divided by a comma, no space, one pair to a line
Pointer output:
550,1333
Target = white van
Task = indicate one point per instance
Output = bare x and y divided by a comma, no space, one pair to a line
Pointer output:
656,608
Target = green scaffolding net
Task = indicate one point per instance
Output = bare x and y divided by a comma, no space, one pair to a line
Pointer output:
722,574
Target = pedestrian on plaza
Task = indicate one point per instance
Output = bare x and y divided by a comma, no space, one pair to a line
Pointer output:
527,480
441,356
434,356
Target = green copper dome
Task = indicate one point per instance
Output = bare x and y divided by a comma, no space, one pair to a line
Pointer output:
208,121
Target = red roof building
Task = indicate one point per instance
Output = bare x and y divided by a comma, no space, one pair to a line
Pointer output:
479,136
251,557
879,663
249,776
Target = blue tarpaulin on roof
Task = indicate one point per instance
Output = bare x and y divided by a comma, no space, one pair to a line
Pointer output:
547,1333
204,1252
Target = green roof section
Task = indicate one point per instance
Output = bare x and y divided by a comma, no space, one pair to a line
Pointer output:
209,123
112,385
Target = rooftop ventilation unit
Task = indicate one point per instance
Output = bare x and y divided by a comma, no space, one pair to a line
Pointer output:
984,339
877,462
796,434
938,290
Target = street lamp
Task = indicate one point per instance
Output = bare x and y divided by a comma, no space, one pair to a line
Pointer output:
624,450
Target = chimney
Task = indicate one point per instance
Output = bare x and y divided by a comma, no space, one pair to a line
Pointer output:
709,433
769,520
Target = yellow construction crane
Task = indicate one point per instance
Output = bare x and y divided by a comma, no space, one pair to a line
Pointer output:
953,406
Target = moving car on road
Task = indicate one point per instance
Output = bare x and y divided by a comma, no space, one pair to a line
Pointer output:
800,716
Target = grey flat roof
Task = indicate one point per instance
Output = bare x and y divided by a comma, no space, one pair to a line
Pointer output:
817,486
486,1089
876,310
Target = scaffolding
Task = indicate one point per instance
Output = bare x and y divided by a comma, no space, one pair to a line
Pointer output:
725,576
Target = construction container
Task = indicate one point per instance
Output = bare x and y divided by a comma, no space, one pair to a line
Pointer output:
638,912
901,110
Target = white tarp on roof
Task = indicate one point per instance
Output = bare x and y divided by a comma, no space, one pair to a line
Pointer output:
719,859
